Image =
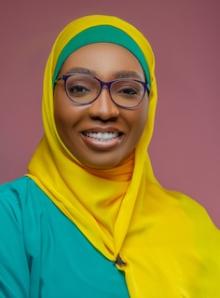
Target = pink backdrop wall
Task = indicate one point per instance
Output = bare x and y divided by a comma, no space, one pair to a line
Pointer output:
185,38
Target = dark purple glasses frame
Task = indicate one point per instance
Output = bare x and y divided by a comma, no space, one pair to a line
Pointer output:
108,86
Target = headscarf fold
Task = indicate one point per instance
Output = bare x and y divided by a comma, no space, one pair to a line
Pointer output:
168,244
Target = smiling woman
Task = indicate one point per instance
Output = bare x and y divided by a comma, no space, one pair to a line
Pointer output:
101,126
90,218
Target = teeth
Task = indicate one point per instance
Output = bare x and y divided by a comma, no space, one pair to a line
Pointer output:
102,136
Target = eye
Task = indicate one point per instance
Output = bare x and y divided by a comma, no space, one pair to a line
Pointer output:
130,91
127,89
77,90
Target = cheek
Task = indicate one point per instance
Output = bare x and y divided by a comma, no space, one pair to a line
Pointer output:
59,111
63,115
139,129
139,120
64,112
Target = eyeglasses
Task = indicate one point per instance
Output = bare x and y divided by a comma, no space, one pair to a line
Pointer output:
83,89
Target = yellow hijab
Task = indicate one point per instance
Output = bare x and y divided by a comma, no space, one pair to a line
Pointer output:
167,244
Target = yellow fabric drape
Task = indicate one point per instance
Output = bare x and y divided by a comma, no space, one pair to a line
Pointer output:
170,246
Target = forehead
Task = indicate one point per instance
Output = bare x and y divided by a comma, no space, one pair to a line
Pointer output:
104,59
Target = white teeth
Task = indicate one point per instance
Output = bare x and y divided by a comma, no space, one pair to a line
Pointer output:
102,136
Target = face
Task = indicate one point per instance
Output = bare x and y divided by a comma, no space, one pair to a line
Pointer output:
100,135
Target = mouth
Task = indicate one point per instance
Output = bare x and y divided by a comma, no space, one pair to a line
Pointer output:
102,140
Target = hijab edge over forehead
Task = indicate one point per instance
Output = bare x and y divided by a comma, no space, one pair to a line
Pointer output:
98,34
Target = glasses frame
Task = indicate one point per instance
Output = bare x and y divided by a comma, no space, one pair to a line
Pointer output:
107,85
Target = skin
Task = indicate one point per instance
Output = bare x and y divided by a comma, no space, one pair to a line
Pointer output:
106,61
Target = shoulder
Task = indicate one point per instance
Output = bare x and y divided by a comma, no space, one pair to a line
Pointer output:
14,185
16,188
17,194
199,220
21,203
11,196
172,200
181,210
193,209
23,206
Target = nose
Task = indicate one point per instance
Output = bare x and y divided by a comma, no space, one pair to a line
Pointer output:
103,108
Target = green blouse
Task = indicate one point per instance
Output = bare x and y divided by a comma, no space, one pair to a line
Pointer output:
44,255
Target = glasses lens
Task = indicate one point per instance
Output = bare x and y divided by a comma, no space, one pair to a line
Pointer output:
127,93
82,89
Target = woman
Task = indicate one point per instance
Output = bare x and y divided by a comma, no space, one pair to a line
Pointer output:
90,219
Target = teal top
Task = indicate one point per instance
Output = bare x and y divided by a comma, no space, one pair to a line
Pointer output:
44,255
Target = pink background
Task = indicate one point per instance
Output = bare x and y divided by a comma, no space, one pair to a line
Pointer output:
185,37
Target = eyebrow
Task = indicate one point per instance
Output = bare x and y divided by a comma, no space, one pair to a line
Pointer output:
81,70
124,74
128,74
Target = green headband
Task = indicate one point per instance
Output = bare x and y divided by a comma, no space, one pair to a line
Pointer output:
102,33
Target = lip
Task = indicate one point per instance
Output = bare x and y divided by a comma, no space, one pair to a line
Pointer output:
102,129
100,145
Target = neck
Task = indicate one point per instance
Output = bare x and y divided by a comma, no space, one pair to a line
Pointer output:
122,172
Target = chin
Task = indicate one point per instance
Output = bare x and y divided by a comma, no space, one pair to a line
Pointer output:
102,165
